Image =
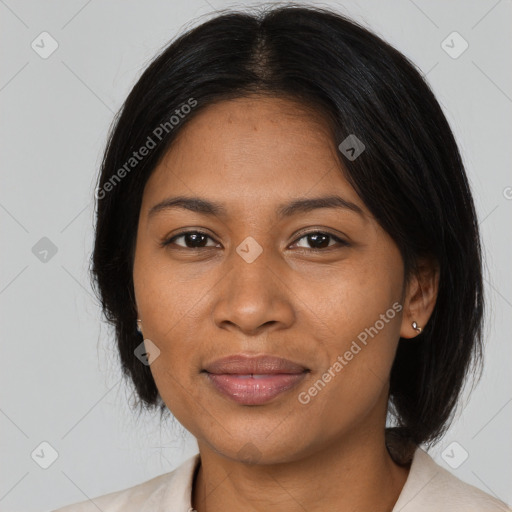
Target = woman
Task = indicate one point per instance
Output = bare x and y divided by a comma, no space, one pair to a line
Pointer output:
287,246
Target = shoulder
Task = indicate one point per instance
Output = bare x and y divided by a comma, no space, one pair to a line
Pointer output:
430,488
158,494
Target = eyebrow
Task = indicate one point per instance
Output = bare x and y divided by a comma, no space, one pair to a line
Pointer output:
300,205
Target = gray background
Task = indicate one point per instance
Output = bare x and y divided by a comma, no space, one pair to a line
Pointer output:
60,381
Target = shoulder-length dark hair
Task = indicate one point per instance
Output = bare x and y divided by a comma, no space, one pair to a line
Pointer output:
410,176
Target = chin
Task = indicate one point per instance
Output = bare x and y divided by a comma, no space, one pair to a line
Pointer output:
258,447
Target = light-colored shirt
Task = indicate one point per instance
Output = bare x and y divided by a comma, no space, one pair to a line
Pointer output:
428,488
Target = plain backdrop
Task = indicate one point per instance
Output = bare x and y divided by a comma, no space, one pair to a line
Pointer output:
60,379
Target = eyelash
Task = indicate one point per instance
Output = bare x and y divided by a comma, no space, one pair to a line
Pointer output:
169,241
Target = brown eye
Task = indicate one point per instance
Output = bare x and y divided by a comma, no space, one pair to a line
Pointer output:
319,240
190,240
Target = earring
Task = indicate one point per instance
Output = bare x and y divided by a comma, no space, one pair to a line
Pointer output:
139,321
415,327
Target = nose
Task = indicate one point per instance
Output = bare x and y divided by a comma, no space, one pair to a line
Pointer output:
253,297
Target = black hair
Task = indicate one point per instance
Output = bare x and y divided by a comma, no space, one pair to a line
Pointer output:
410,176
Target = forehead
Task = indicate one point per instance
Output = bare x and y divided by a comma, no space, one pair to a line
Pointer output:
254,148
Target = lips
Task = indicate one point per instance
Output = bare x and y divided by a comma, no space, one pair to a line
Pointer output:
254,380
246,365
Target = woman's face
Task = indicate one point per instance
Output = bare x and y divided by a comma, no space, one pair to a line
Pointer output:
254,284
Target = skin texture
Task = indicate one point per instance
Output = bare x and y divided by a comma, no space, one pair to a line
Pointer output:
197,305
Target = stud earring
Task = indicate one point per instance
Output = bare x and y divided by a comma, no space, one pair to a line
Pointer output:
139,322
416,327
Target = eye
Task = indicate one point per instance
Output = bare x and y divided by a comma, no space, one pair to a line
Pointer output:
320,240
191,239
199,240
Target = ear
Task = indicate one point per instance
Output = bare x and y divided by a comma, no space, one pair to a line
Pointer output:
420,297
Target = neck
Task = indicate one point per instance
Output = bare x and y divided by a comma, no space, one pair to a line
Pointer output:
353,474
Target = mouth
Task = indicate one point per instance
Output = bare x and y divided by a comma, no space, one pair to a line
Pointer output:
254,380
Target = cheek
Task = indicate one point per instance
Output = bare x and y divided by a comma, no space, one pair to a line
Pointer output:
353,385
361,313
169,308
171,313
167,296
354,297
